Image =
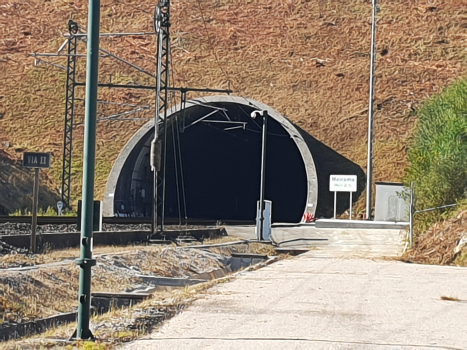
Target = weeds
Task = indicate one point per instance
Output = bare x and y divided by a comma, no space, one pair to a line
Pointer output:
438,153
50,211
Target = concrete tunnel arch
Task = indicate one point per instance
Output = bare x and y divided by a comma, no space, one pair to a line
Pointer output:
214,146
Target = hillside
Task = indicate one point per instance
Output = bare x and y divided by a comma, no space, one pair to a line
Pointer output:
16,187
307,59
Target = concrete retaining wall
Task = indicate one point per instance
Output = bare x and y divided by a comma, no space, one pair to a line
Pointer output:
71,239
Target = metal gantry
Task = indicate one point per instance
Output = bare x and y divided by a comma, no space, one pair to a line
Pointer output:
73,37
162,89
69,111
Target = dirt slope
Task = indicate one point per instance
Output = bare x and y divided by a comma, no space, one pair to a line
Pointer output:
445,243
307,59
16,188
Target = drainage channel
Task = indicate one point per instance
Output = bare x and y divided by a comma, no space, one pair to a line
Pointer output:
102,302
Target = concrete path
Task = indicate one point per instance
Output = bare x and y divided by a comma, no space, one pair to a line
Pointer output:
331,242
322,300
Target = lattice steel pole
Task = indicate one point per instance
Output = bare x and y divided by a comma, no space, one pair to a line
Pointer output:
69,112
162,26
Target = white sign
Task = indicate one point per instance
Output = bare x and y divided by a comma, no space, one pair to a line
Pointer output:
60,207
343,183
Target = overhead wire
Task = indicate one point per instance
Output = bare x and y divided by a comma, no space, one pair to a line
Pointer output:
176,165
180,182
179,147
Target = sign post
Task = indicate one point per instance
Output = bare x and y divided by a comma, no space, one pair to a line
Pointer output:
343,183
35,161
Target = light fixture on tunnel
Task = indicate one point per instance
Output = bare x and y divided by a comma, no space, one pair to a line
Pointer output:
260,229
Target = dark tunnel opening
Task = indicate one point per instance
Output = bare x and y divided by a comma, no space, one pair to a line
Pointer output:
213,167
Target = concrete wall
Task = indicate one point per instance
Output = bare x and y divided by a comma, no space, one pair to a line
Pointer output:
71,239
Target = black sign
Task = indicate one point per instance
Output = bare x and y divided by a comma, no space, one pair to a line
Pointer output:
36,160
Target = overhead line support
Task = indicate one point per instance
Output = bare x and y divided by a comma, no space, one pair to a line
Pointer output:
162,27
115,34
150,87
69,113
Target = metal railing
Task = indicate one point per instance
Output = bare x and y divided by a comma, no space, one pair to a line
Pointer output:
413,212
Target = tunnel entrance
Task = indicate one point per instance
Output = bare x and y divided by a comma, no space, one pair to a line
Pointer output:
213,168
218,160
214,161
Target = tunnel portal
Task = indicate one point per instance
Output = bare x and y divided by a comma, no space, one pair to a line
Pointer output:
213,165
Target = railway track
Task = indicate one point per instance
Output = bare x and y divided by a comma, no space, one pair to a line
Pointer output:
70,220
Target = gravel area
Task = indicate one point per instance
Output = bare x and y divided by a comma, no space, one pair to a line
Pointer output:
25,229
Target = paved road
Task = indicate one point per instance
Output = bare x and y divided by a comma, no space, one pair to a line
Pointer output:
337,300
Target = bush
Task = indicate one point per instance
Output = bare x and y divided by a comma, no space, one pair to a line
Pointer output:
438,150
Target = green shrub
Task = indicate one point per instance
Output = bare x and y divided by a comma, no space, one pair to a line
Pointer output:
438,151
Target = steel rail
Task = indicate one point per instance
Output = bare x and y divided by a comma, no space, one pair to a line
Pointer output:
115,220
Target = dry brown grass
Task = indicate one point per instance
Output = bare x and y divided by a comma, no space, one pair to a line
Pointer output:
26,294
16,186
108,327
64,254
126,324
438,244
306,59
53,256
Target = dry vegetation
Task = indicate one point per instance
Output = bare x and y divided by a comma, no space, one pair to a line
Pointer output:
122,325
440,244
24,292
307,59
24,295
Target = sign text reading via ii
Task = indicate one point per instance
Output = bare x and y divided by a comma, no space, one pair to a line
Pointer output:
36,160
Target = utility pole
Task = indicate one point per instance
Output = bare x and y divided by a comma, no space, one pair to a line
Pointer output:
369,167
69,112
162,26
85,262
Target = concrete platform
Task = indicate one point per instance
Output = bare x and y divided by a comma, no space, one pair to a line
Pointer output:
360,224
329,242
